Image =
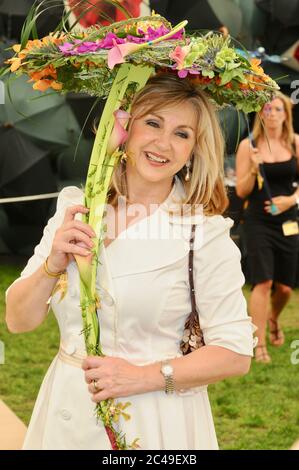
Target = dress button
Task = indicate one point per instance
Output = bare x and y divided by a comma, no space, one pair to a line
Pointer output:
72,291
107,299
70,349
65,414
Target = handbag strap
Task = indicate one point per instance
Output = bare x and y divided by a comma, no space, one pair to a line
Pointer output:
191,277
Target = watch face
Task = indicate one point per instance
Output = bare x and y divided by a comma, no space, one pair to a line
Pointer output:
167,369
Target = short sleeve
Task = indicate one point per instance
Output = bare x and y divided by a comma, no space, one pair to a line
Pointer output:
69,196
218,280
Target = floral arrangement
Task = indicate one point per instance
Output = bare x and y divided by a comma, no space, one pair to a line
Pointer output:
88,61
114,62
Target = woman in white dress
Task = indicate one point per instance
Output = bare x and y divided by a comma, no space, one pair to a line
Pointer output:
174,160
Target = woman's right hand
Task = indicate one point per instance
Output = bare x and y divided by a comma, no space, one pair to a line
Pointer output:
256,159
72,238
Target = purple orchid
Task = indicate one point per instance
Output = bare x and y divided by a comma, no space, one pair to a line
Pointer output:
86,47
79,47
111,40
152,33
67,48
107,42
136,39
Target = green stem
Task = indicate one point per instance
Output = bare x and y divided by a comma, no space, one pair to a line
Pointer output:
129,74
97,184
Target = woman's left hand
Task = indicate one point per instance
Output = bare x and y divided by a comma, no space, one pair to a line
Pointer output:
111,377
283,203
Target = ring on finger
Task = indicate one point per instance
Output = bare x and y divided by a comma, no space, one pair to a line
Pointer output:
95,386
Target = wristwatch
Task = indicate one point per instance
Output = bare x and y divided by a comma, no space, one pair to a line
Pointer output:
167,371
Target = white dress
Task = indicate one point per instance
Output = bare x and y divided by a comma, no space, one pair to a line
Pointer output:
143,284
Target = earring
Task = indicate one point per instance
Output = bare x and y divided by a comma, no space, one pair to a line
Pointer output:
187,176
124,158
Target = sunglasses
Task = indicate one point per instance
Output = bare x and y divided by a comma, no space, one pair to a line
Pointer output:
268,108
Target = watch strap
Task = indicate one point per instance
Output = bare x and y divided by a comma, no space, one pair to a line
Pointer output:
169,384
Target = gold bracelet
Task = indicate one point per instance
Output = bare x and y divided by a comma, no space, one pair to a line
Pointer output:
50,273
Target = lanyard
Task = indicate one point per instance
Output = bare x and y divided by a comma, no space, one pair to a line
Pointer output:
262,173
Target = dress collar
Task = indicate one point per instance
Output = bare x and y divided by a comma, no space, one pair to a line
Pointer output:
173,202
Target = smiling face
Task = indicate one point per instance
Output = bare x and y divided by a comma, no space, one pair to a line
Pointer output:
274,114
161,142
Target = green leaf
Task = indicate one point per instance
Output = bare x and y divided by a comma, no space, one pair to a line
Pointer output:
208,73
228,75
232,65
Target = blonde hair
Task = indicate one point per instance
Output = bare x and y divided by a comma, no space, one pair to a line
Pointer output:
206,185
288,135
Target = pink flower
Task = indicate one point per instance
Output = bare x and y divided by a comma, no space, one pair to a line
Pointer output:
117,54
184,72
107,42
67,49
135,39
119,134
178,34
152,33
77,47
178,55
86,47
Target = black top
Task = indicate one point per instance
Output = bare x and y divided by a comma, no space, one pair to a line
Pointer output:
280,177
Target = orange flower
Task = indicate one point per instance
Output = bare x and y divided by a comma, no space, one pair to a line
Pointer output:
255,67
16,62
56,85
256,83
45,78
244,86
77,64
16,47
48,71
43,85
52,39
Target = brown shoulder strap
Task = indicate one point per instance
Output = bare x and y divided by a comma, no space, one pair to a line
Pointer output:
191,278
193,335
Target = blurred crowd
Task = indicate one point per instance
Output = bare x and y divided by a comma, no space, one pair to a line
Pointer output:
256,24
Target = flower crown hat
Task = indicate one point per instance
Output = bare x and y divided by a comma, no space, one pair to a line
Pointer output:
89,61
114,62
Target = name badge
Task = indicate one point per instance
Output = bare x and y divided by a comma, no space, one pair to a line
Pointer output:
290,227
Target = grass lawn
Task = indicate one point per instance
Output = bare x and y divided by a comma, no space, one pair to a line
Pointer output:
257,411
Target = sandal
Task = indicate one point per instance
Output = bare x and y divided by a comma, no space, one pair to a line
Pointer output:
263,355
276,334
